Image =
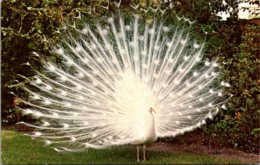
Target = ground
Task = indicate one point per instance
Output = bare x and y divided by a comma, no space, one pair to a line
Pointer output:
222,153
18,148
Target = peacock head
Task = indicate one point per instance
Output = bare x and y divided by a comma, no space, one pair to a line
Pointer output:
152,110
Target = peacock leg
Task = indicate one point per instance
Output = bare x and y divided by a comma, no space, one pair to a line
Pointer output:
144,157
137,153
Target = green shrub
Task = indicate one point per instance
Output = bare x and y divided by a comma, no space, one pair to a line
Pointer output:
29,26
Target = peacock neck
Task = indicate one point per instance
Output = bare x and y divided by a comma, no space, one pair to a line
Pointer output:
149,127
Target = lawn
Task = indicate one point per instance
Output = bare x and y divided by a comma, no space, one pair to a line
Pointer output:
20,149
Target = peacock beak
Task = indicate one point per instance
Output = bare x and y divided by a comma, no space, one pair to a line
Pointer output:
152,110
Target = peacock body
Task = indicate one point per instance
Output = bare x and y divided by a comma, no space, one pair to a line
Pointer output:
122,83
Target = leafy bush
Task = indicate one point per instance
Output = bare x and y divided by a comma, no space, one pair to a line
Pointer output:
29,26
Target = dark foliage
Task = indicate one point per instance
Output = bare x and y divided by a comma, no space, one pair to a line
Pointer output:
29,26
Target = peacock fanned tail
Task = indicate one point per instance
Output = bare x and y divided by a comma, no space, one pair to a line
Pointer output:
110,74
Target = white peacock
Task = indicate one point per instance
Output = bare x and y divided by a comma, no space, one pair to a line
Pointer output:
124,83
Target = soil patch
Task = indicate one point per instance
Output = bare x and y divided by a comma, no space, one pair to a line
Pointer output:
223,153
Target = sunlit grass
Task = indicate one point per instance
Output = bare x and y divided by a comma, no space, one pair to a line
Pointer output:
20,149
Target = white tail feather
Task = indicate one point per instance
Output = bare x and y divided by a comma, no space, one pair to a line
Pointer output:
111,76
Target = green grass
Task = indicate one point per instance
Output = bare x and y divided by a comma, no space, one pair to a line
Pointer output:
20,149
